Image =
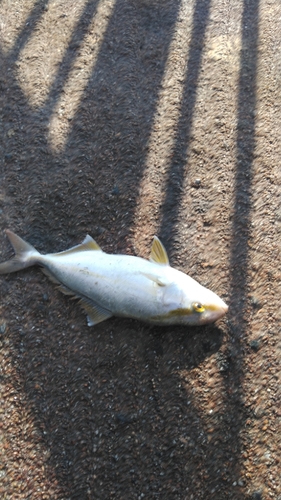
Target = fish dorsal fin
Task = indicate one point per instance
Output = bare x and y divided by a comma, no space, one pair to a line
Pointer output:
90,243
87,245
95,313
158,253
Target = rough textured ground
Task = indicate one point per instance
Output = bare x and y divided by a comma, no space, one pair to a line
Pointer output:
126,118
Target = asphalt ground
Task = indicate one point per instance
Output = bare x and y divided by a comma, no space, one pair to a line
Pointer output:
124,119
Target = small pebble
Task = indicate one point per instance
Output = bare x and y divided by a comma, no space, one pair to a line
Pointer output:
196,183
255,344
8,156
98,230
259,412
123,419
256,303
257,495
3,326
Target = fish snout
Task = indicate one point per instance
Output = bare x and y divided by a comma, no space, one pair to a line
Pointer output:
216,311
224,307
221,309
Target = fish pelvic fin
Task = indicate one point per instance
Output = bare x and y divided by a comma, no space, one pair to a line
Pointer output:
158,253
95,313
25,255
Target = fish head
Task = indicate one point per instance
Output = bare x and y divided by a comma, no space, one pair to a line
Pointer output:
208,311
190,303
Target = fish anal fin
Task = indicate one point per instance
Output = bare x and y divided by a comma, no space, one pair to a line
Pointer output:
67,291
158,253
89,244
50,276
95,313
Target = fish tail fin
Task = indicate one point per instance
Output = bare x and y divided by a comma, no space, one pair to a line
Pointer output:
25,255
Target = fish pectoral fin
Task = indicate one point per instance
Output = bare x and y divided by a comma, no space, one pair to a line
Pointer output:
88,244
95,313
158,253
155,279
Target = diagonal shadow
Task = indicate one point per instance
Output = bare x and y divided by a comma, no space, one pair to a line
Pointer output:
173,192
70,55
246,111
239,298
29,27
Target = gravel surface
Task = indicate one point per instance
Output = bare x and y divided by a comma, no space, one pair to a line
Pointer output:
124,119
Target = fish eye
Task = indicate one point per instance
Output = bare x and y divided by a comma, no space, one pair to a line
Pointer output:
198,307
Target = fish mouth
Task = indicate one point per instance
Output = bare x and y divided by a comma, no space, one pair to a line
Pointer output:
223,308
214,312
220,310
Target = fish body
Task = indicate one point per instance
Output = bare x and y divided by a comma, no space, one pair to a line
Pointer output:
122,285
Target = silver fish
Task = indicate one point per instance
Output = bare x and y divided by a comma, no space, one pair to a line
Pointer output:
122,285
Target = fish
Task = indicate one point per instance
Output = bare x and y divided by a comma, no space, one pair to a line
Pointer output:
128,286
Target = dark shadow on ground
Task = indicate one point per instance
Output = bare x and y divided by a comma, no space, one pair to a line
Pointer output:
241,224
175,178
25,33
81,28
